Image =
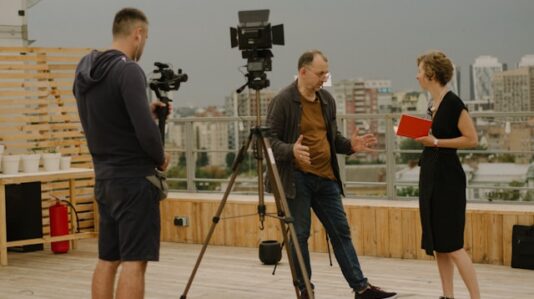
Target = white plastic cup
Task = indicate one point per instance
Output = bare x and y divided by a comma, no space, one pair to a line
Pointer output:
51,161
30,163
10,164
65,163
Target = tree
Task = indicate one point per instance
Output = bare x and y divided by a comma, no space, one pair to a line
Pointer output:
247,165
209,172
176,172
182,160
506,194
408,191
409,144
202,159
230,157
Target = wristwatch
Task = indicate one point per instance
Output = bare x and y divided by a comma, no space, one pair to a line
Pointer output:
436,141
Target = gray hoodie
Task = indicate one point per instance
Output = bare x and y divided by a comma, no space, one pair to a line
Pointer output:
122,136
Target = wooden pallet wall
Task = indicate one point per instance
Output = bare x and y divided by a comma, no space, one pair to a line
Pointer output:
38,113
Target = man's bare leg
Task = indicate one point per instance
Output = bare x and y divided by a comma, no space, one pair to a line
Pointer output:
131,283
104,279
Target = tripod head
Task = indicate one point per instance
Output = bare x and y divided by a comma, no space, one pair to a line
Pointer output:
161,86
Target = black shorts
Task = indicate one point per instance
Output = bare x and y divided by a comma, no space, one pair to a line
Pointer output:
129,219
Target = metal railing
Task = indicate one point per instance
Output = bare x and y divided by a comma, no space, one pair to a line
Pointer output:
189,148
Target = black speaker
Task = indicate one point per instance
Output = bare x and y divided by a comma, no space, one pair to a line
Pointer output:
523,246
24,219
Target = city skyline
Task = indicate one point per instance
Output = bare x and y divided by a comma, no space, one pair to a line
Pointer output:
372,40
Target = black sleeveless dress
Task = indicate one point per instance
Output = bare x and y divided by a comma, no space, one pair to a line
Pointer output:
442,184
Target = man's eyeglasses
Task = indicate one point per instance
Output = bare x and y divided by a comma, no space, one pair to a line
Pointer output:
321,75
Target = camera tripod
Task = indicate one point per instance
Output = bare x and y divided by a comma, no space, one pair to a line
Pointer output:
259,135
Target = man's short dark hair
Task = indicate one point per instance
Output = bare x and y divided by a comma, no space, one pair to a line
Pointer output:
125,19
307,58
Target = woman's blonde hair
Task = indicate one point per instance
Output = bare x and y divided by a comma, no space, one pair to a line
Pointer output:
437,66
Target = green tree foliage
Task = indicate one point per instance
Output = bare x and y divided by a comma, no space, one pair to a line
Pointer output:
210,172
506,194
176,171
409,191
247,166
409,144
202,159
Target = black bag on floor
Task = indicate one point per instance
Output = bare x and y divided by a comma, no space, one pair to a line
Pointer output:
523,247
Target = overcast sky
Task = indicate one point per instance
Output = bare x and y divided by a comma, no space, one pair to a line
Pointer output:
370,39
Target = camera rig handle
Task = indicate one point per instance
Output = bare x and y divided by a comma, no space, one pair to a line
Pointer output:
162,112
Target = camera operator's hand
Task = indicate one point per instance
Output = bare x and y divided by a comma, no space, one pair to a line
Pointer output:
166,162
157,104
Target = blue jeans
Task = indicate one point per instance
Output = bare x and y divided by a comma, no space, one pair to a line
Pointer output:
323,196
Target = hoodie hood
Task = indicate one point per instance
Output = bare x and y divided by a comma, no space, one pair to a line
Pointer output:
93,68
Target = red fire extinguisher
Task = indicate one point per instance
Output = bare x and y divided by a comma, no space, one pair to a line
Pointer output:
59,223
59,226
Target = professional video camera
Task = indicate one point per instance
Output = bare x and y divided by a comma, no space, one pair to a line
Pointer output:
255,36
167,81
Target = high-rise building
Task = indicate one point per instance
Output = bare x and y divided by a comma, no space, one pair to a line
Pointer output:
527,60
244,104
411,101
211,135
454,84
481,74
514,90
360,96
350,96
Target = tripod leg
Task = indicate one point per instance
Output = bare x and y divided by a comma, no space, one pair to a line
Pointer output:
286,219
217,216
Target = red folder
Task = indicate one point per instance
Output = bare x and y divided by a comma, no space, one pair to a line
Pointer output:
413,126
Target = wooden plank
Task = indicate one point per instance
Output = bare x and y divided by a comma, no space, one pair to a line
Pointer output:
16,67
480,240
74,59
20,50
382,232
249,226
354,215
62,67
24,111
409,240
468,234
507,225
36,84
369,231
495,237
11,58
36,75
395,233
232,226
32,102
18,146
37,136
24,93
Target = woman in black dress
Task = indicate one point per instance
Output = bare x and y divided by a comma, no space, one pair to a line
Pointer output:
442,179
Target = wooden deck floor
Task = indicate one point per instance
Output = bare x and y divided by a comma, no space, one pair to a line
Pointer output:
236,273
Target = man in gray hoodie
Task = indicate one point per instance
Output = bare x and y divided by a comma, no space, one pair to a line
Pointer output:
126,146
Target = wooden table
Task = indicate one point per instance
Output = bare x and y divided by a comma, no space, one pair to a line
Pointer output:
70,175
